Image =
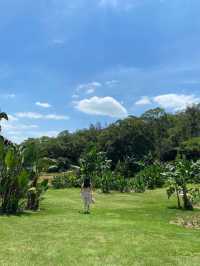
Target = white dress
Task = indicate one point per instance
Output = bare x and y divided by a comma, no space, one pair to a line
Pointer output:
86,194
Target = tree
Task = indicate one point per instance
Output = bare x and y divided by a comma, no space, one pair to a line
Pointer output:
96,166
190,148
179,176
159,123
126,138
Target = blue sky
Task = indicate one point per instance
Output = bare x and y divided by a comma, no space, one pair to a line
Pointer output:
66,64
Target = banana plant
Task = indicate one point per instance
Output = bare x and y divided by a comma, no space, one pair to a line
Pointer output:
37,187
13,179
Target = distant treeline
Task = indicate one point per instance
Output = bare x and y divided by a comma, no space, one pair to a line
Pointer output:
157,133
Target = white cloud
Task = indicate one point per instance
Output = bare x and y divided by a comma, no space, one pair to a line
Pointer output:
171,101
111,83
56,117
106,106
17,132
12,118
8,96
75,96
176,102
32,115
145,100
90,91
17,127
43,104
88,88
20,136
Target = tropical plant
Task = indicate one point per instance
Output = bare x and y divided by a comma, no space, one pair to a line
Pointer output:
121,183
14,179
106,183
138,183
151,176
195,172
97,167
179,176
36,189
88,163
59,182
35,165
66,180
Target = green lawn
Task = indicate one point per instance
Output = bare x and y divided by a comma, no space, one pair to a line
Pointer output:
123,229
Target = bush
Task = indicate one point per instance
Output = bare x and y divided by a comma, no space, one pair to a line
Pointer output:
13,179
121,183
179,176
106,182
35,194
195,172
138,184
191,148
151,176
67,180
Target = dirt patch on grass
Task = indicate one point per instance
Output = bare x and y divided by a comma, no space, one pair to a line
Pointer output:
191,222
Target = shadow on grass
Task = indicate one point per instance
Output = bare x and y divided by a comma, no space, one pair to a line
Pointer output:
18,214
182,209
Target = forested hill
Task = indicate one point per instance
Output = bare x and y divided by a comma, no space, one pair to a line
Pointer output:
156,132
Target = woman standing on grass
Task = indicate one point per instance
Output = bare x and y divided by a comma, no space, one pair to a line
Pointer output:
86,193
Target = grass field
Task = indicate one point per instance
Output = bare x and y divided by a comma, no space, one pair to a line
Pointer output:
123,229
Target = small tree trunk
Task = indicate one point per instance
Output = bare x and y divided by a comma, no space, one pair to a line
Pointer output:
187,202
178,199
33,202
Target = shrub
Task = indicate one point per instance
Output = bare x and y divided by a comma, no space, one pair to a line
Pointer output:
13,179
195,172
66,180
121,183
59,181
138,184
35,194
179,175
106,182
191,148
96,166
36,165
151,176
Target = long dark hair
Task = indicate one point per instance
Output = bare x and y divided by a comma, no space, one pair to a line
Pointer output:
87,183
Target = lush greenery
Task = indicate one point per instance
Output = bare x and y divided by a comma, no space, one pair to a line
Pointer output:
13,178
124,229
154,134
180,174
66,180
129,155
20,186
150,155
134,154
